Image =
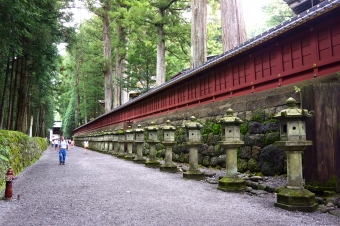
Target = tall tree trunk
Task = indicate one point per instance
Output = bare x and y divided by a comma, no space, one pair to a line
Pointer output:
4,94
28,111
21,103
37,120
117,100
160,71
233,26
77,89
14,98
120,94
10,97
84,91
42,127
107,57
125,95
198,32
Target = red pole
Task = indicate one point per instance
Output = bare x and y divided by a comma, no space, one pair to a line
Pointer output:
9,179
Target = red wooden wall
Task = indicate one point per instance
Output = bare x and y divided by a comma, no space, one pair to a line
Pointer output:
309,50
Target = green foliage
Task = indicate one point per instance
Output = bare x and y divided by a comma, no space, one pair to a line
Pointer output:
271,120
258,115
211,127
4,157
244,128
216,129
69,122
277,11
180,135
271,137
17,150
30,33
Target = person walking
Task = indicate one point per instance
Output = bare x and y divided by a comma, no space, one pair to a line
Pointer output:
86,145
72,144
62,147
56,141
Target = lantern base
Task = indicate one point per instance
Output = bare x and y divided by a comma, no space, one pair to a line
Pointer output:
121,155
139,160
301,200
129,157
231,184
168,168
152,164
193,175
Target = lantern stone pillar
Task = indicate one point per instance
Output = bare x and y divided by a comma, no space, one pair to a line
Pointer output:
152,140
193,131
102,141
139,140
293,141
95,141
109,140
121,141
168,142
105,145
130,137
231,140
115,142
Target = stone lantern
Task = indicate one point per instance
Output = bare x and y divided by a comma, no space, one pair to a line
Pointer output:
101,137
139,140
105,145
231,140
193,130
129,139
115,142
152,134
168,142
109,141
293,196
97,142
121,141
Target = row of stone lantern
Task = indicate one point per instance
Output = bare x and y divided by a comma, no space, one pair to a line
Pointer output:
293,141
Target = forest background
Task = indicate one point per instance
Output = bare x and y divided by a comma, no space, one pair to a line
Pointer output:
39,86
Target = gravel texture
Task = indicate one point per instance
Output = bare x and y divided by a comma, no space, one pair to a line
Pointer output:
99,189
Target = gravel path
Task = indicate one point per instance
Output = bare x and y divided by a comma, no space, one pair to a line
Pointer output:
99,189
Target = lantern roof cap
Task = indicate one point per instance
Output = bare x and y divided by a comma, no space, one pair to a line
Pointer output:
229,118
292,111
152,126
139,129
193,124
121,131
168,126
129,130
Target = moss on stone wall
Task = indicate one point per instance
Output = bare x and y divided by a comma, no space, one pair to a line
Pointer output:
18,151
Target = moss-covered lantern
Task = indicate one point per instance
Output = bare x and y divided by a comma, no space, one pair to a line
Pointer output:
129,139
139,140
168,132
152,140
293,141
168,141
109,141
121,141
292,122
115,142
231,140
193,130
